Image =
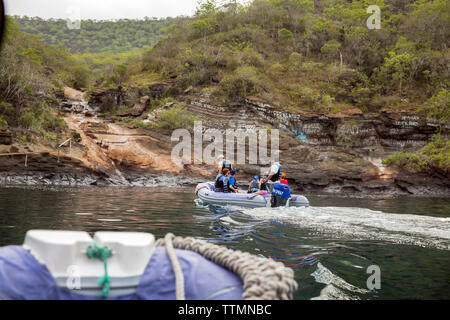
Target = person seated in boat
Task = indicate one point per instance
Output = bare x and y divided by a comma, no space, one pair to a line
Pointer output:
254,185
283,179
223,163
233,183
219,183
274,175
263,184
223,183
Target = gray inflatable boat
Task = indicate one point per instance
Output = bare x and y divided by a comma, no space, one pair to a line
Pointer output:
206,193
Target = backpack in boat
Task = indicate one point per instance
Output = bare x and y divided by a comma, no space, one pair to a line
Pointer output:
280,195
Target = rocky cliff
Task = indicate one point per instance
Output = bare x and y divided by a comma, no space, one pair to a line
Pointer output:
319,152
336,152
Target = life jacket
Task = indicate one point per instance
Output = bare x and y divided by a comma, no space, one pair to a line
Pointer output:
276,177
254,186
223,183
219,181
233,181
226,184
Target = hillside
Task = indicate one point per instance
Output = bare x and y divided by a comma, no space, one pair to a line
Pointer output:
311,55
98,36
31,73
344,97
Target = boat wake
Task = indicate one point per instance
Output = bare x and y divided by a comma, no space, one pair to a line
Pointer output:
364,224
336,287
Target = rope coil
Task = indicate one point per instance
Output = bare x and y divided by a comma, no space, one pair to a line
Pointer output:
179,277
263,279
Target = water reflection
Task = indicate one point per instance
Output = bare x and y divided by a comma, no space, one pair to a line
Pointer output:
328,262
92,210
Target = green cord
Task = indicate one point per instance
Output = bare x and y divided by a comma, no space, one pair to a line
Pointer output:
101,253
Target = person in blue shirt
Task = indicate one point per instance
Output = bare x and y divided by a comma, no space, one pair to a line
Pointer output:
233,183
224,183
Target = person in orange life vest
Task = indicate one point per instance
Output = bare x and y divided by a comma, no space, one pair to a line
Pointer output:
283,179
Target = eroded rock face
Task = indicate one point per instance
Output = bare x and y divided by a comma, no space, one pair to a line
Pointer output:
386,130
5,137
117,97
335,153
159,89
72,106
106,98
75,95
138,108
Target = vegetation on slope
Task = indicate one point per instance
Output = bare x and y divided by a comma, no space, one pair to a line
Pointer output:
30,72
98,36
300,55
434,157
311,55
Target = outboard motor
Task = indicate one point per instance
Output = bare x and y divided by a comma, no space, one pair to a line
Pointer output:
280,195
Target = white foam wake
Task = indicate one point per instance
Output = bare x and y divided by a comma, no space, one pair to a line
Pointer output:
364,224
335,286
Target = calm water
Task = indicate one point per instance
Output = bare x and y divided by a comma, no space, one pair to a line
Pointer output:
329,245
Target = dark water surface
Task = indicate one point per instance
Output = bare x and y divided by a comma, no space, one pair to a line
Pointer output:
329,245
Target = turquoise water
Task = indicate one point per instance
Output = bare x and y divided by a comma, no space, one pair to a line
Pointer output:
329,245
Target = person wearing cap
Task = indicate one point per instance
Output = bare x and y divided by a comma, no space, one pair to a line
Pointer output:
254,186
223,163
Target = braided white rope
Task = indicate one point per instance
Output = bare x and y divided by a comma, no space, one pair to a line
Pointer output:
179,277
264,279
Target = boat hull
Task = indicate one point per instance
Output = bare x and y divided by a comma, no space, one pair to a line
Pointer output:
206,193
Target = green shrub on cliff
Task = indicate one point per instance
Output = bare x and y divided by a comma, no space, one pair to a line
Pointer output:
3,122
285,34
176,117
435,156
438,106
243,82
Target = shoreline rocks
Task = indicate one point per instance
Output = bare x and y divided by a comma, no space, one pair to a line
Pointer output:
78,179
403,185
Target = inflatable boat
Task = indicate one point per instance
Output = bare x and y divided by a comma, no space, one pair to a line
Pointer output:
206,193
68,265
